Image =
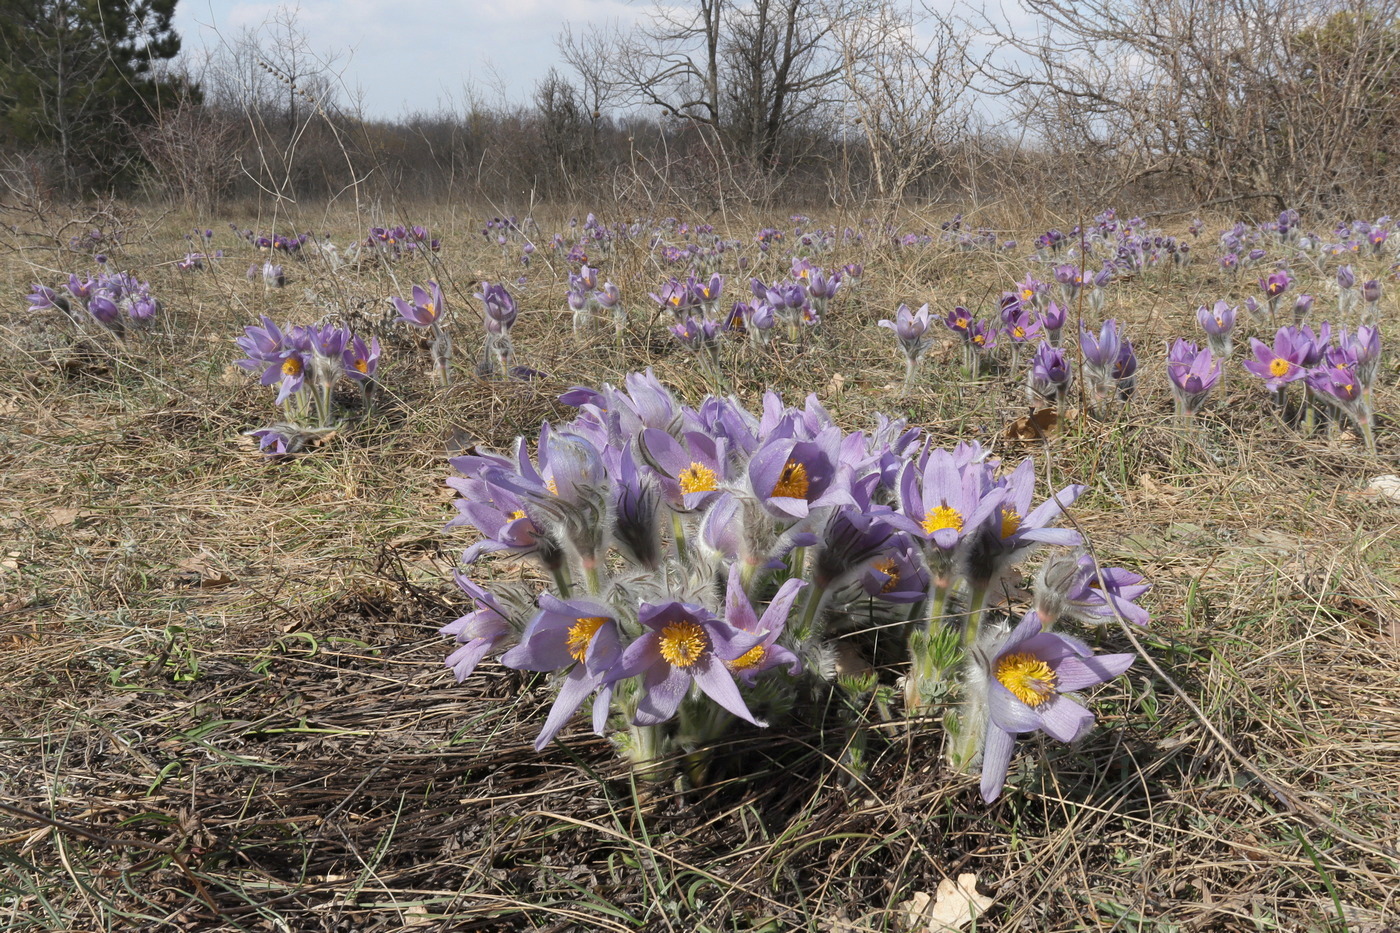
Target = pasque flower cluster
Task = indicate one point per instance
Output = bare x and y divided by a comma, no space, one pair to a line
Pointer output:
707,564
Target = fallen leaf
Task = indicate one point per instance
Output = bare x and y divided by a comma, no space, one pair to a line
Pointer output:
955,905
1387,486
837,383
1033,426
67,515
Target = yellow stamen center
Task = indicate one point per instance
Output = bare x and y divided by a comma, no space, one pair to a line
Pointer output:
291,367
749,659
362,366
890,568
429,311
1027,294
1279,367
516,515
581,635
1028,678
945,516
1010,522
1019,332
683,643
792,482
960,323
698,478
552,486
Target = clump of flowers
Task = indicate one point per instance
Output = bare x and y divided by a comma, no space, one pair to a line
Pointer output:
306,363
911,330
705,567
113,300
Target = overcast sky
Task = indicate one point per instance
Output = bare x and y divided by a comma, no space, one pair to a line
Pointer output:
408,56
405,56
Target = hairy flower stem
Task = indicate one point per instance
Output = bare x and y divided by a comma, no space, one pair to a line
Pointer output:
678,539
976,605
644,750
562,581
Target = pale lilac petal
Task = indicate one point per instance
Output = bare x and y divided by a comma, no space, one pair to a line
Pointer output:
1063,719
1079,673
572,692
1008,712
996,759
715,680
663,688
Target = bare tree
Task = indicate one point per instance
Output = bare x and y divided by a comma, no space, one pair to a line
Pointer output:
904,93
1238,99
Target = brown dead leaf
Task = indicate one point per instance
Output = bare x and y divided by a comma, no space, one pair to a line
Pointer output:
1033,426
68,515
955,905
200,571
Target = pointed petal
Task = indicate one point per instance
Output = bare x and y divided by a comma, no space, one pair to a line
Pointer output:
996,758
1063,719
715,680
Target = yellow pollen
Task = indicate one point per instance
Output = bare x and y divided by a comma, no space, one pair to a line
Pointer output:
1010,521
1019,332
960,323
430,310
749,659
792,482
362,366
1028,678
889,568
979,339
291,367
945,516
683,643
698,478
552,486
581,635
516,515
1279,367
1027,294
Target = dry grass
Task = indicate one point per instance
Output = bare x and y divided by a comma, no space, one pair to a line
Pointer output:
225,705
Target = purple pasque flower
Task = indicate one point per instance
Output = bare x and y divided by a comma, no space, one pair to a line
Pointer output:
426,308
959,321
1022,325
1125,367
582,635
1364,349
1302,307
1282,363
497,513
1193,372
1275,284
739,613
675,297
697,335
684,644
1338,384
1346,278
142,307
1009,528
500,307
853,272
708,293
1074,586
479,632
103,309
1053,320
361,361
899,575
1100,351
1028,678
1219,323
692,468
41,298
791,477
939,500
81,289
982,337
911,328
1371,291
1050,374
608,296
271,442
